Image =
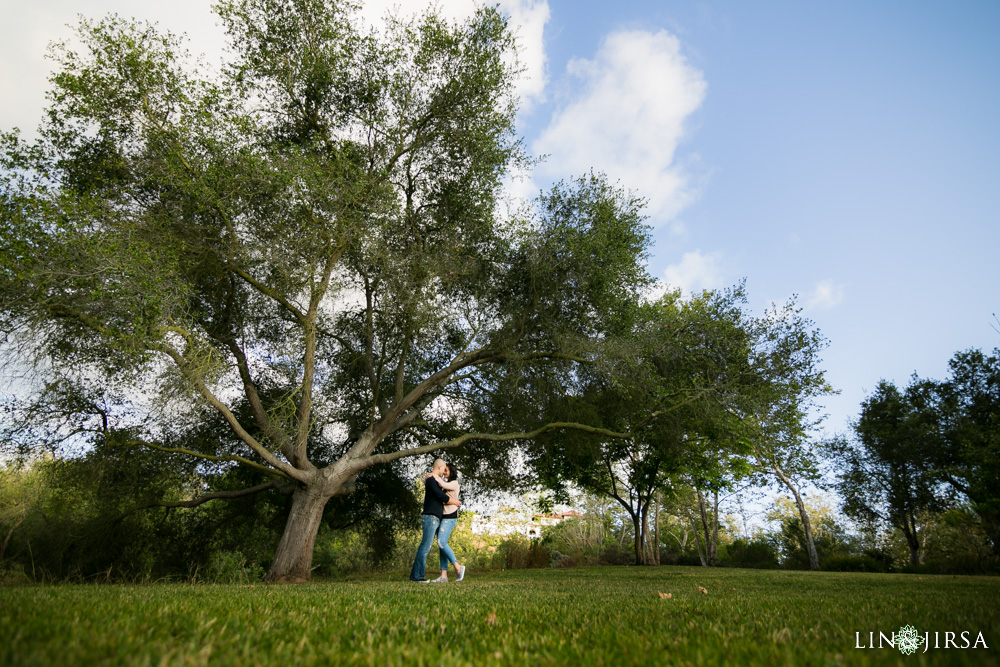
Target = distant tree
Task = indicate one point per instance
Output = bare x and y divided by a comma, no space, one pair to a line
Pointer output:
887,473
793,463
691,381
829,537
19,493
661,379
968,455
787,360
307,245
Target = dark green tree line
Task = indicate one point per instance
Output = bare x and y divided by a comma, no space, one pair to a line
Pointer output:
919,450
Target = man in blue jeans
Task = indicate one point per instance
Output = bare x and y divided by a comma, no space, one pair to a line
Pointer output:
435,499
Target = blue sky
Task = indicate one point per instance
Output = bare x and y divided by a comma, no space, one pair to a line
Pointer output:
846,152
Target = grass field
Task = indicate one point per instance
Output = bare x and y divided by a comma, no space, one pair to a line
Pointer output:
599,616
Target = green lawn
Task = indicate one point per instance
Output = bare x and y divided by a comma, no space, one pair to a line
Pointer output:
610,616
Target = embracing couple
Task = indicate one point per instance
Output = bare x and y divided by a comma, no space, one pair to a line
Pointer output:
439,518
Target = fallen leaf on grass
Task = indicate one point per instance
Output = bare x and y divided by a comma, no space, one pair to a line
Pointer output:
492,618
665,596
702,591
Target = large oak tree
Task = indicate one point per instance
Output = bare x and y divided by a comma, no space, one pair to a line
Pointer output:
307,244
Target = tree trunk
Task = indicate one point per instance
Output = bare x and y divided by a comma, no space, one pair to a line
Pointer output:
709,546
637,526
6,541
656,530
804,516
647,542
715,528
697,541
912,541
293,558
807,530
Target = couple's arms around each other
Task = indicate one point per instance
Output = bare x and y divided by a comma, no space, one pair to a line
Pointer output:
446,485
439,487
443,485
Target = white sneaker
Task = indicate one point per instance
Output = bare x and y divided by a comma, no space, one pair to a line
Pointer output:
441,580
461,573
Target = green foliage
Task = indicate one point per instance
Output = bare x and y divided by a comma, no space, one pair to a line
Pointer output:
968,413
92,518
758,553
920,450
955,543
540,616
98,515
519,553
305,247
706,391
887,476
232,567
864,563
829,535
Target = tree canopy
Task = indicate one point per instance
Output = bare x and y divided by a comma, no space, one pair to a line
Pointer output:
307,244
702,387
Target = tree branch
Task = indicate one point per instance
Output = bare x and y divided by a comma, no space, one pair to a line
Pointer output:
268,292
189,452
216,495
304,412
234,423
256,406
367,461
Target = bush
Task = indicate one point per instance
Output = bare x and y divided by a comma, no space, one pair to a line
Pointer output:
520,553
757,554
615,554
882,559
961,564
340,553
13,573
231,567
675,558
854,564
559,559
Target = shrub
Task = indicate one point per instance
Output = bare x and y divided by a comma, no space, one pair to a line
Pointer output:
13,573
961,564
520,553
854,564
231,567
615,554
675,558
340,553
559,559
758,554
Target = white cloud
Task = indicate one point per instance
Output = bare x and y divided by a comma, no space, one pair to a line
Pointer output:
627,119
696,271
824,296
529,18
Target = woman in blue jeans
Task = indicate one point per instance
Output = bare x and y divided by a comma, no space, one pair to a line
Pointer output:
449,519
435,498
